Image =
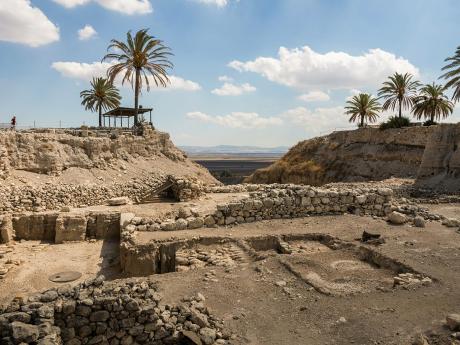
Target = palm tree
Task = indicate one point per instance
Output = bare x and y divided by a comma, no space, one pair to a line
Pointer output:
432,103
102,96
362,107
141,57
400,90
453,74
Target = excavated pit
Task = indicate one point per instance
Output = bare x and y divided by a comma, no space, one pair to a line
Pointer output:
329,265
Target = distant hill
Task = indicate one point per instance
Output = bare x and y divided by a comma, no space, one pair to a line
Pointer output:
234,150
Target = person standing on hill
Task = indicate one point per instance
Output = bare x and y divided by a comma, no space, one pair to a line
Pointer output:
13,123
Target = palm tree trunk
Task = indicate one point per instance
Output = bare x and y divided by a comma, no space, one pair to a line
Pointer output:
136,97
400,108
432,117
100,116
362,121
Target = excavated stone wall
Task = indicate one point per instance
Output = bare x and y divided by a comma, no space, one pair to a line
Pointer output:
41,198
98,312
278,201
62,227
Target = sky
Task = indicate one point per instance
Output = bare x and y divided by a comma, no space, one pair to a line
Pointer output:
246,72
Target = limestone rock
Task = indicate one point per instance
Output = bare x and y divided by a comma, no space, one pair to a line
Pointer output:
397,218
70,228
453,322
24,332
118,201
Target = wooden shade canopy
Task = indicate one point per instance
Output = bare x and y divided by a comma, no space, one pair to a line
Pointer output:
124,113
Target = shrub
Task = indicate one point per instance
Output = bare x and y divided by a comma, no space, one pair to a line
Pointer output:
395,122
429,123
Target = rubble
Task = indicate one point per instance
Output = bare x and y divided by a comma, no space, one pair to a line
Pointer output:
96,312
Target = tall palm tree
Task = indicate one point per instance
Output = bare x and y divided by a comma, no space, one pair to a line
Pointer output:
102,96
399,91
453,74
363,107
432,103
141,57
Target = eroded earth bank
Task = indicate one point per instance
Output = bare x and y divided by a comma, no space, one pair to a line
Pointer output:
120,239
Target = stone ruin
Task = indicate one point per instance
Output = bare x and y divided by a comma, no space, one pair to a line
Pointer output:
98,312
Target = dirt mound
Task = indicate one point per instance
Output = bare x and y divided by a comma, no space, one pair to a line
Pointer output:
359,155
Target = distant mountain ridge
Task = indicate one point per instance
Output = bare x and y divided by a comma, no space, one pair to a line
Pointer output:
234,149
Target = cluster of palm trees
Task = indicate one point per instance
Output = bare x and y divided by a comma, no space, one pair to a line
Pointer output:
142,59
402,92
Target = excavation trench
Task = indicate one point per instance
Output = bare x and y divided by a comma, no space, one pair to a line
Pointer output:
328,264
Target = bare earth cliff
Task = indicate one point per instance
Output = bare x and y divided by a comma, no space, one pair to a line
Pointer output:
49,169
427,153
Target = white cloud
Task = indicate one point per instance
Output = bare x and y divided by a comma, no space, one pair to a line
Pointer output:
86,71
225,79
318,121
315,96
129,7
71,3
239,120
178,83
306,69
229,89
86,33
218,3
20,22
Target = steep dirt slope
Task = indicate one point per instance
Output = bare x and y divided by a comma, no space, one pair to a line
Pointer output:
440,166
362,154
84,157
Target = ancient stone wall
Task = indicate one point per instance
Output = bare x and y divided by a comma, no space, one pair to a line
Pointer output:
98,312
278,201
64,227
42,198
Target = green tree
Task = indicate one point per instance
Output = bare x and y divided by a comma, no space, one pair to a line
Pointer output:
453,74
102,96
143,58
432,103
363,107
399,91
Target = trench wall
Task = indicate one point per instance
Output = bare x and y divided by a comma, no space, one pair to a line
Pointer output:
60,227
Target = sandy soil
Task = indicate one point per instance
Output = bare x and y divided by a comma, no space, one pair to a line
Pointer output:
33,262
121,172
205,205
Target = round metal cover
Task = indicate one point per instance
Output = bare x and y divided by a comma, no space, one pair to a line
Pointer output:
65,277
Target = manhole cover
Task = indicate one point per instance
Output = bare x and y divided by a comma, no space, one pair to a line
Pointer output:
65,277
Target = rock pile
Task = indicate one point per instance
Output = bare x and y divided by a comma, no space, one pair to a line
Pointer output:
227,256
186,189
96,312
55,197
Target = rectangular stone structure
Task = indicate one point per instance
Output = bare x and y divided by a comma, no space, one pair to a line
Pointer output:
70,228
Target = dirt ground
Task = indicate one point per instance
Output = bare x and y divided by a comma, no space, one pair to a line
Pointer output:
265,303
120,172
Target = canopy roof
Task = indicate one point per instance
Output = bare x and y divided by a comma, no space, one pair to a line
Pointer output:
129,112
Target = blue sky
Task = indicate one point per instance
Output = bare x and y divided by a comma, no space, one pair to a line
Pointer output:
247,72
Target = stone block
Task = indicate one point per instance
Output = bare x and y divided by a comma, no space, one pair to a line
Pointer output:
38,227
70,228
6,229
